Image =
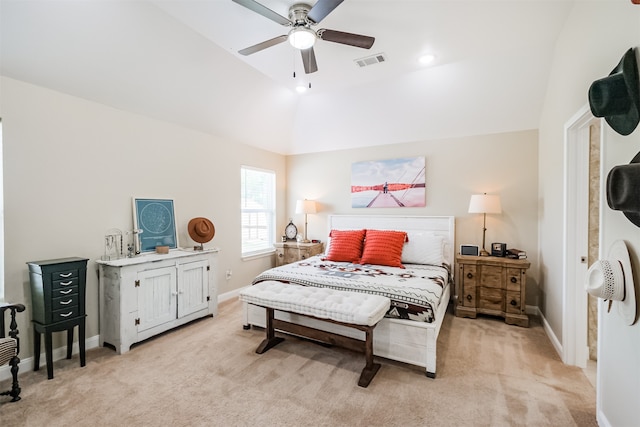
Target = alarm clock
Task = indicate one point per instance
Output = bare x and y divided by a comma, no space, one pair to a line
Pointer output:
498,249
291,231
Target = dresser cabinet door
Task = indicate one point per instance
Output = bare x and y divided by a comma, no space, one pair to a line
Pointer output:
156,297
193,287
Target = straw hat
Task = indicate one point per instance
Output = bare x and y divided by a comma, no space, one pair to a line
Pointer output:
201,230
612,279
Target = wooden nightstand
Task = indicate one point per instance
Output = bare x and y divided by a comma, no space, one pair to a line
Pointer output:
288,252
492,285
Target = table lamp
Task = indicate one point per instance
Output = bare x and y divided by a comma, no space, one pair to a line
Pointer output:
485,204
306,207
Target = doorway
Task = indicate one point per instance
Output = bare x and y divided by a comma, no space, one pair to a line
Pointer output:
583,141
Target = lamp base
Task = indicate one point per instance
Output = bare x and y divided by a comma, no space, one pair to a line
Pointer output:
483,252
305,241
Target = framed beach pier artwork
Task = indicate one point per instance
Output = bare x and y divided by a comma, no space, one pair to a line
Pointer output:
391,183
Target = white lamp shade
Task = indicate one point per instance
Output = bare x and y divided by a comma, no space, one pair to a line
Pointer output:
302,38
485,203
306,207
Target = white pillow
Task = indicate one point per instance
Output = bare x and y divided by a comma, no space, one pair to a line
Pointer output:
423,248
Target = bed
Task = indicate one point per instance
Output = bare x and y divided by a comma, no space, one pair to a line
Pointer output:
419,289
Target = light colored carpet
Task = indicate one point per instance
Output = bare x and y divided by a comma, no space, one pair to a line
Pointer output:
208,374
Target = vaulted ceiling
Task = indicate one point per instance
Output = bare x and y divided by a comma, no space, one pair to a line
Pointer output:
178,61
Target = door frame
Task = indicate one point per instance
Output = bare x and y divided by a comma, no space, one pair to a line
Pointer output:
575,349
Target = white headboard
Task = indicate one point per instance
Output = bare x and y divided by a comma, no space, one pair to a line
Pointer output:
439,225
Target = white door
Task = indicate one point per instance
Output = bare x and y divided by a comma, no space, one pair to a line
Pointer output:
193,287
156,297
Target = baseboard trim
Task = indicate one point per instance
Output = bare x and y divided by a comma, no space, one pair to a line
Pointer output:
59,353
552,336
230,295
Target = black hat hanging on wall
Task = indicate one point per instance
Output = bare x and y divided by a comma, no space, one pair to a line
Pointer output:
617,96
622,189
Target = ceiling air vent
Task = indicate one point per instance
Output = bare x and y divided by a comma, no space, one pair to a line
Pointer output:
370,60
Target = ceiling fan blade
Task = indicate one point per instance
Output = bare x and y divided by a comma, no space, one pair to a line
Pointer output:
356,40
260,46
309,60
321,9
264,11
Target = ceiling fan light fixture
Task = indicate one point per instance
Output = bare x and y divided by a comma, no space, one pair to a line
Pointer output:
302,38
427,58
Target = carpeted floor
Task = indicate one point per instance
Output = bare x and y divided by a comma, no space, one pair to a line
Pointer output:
208,374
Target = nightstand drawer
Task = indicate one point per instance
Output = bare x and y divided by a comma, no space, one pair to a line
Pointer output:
513,279
490,299
468,298
513,303
492,276
469,275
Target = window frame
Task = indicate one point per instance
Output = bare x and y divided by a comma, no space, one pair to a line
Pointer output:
268,222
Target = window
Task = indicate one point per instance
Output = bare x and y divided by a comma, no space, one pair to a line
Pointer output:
258,210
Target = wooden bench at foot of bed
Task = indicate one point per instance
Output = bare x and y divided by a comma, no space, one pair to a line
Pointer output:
351,309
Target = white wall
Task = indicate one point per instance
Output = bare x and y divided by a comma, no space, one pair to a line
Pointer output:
504,164
71,167
594,39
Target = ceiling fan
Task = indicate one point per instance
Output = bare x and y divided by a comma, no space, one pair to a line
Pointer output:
302,36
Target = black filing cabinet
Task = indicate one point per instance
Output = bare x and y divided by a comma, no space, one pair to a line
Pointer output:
58,304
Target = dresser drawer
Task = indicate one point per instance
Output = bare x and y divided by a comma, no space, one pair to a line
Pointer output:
64,274
468,297
491,299
514,280
513,303
65,303
64,292
65,283
469,275
65,314
492,276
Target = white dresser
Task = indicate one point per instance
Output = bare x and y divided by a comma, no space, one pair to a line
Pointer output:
145,295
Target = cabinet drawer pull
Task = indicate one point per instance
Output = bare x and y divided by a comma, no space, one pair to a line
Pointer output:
64,276
513,302
469,297
67,291
469,275
514,279
66,283
66,315
66,302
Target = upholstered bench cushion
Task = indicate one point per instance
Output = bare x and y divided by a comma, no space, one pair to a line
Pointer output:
324,303
8,347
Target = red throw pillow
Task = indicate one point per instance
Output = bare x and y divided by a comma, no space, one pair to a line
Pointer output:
383,247
346,245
